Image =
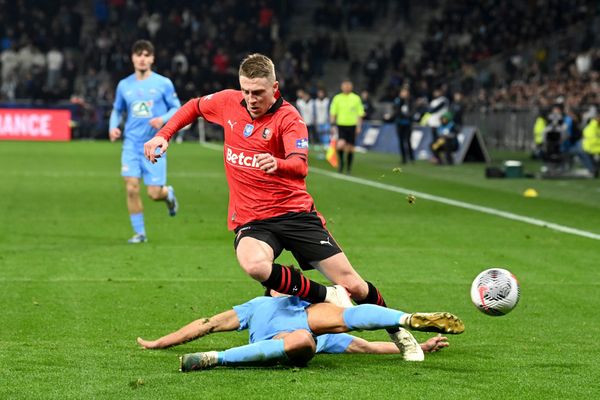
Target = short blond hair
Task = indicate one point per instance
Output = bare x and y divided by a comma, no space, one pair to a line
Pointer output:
257,66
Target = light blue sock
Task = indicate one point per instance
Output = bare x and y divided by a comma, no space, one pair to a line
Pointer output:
170,193
137,222
370,317
255,353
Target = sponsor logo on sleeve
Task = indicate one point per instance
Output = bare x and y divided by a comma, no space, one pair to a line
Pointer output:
302,143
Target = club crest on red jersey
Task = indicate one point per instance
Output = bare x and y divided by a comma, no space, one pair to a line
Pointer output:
248,129
267,133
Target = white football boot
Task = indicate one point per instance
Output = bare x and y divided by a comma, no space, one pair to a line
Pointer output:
339,296
409,348
195,361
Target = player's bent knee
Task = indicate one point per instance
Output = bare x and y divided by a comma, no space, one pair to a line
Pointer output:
155,193
358,288
257,269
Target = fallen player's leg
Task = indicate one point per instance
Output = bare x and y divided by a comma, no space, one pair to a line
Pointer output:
296,348
327,318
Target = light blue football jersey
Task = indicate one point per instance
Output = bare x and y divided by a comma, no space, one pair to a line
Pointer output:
265,317
143,100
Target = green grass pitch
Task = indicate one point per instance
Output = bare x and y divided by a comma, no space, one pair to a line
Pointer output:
74,296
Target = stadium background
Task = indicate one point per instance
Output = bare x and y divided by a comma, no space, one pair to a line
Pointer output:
75,297
512,60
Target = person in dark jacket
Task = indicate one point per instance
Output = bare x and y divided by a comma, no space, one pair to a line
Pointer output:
403,121
446,142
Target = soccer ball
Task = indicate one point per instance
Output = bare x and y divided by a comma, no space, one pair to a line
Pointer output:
495,292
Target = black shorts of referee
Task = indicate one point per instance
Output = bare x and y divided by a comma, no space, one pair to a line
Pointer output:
347,133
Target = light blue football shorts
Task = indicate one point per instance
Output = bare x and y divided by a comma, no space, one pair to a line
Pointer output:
134,164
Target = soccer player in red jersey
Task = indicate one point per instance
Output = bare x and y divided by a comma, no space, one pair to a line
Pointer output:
265,154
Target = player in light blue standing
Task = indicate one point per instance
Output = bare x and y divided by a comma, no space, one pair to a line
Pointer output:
150,100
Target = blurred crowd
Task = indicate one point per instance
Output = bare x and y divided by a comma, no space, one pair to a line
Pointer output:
574,81
38,49
82,48
539,66
77,50
55,50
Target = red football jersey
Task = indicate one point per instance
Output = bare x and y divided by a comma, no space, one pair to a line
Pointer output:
281,132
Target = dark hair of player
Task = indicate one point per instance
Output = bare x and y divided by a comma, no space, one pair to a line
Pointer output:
142,45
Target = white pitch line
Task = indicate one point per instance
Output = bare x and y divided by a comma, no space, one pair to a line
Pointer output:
461,204
444,200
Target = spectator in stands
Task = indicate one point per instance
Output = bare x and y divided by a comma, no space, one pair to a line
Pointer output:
10,62
372,70
339,47
38,65
397,51
54,62
367,104
25,57
457,109
10,66
589,114
306,106
446,142
403,115
322,116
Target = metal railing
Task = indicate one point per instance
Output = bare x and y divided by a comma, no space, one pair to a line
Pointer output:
504,130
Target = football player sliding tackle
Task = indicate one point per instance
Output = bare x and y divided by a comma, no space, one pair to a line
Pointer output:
265,152
288,330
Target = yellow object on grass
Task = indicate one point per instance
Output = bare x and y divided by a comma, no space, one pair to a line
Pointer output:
331,155
530,193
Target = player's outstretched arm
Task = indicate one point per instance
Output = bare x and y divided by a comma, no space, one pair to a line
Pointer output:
184,116
223,322
157,142
359,345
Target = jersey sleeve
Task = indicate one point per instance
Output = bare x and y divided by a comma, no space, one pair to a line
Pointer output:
118,107
295,136
333,343
245,312
119,103
171,100
212,106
